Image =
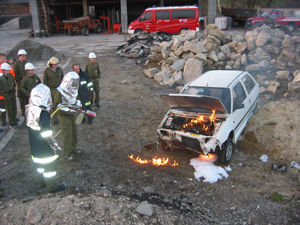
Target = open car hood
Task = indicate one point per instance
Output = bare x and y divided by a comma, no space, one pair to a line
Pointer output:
204,103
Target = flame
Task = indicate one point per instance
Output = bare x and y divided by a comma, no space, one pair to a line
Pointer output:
155,161
209,157
200,121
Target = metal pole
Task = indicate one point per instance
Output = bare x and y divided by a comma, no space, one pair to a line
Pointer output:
85,10
124,16
35,18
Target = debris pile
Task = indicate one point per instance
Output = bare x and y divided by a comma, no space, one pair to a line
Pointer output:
268,53
35,51
139,45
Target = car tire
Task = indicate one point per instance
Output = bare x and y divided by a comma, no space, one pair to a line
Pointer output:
226,152
70,32
98,29
85,31
138,31
291,27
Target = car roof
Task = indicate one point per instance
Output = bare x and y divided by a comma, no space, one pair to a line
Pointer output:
172,7
216,78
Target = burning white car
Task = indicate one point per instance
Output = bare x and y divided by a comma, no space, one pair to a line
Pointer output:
210,113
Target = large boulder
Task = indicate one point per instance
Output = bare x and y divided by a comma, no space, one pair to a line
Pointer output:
288,42
163,76
193,68
262,38
212,29
258,55
198,47
150,72
259,67
177,65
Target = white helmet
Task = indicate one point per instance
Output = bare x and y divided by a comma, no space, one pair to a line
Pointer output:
22,52
5,66
29,66
92,55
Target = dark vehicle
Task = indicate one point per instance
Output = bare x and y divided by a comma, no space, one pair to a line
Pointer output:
275,17
239,16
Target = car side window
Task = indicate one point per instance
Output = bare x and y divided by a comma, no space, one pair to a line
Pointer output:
147,16
248,82
239,95
162,15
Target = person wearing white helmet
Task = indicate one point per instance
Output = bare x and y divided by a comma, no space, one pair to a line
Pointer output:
2,104
93,70
20,73
8,90
29,82
65,98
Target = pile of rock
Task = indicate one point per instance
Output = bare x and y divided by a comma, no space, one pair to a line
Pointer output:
264,52
141,44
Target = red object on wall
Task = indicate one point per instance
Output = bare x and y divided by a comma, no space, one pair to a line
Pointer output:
116,28
108,22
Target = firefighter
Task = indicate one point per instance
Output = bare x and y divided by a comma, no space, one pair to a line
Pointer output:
53,76
65,99
85,89
29,82
93,70
8,89
2,104
20,73
44,149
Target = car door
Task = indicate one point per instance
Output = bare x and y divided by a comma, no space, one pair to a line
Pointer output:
146,22
240,107
162,19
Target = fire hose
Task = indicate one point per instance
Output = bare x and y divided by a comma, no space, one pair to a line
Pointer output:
72,109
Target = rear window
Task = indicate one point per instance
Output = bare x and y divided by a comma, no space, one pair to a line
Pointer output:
183,14
162,15
249,83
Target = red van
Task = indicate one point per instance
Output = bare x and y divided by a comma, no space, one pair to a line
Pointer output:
166,19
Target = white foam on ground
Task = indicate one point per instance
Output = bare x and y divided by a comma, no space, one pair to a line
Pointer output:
264,158
208,171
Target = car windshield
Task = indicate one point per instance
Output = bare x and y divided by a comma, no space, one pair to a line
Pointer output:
221,93
264,14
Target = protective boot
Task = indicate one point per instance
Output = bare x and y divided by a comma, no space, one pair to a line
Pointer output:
3,119
52,186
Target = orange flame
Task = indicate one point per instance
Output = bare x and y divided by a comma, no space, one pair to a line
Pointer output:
155,161
209,157
200,120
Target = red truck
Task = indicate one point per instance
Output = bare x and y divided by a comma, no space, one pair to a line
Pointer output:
274,17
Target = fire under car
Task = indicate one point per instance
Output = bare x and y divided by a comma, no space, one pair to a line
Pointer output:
210,113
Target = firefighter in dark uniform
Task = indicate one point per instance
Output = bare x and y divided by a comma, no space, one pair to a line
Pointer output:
20,73
8,90
93,70
85,90
64,99
29,82
44,148
53,75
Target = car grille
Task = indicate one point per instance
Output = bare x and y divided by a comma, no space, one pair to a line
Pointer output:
191,143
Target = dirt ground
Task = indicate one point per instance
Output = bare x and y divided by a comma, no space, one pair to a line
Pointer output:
130,112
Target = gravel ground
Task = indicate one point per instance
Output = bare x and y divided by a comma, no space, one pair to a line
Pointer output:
105,187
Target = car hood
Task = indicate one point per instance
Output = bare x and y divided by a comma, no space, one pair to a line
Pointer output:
205,103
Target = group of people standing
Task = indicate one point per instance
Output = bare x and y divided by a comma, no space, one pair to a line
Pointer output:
59,95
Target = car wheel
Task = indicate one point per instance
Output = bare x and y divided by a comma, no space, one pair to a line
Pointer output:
291,27
70,31
98,29
85,31
225,154
138,31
